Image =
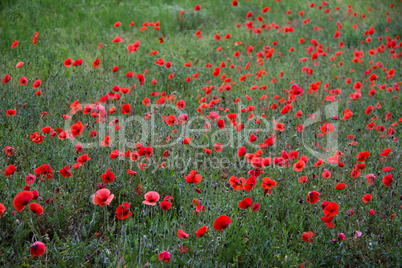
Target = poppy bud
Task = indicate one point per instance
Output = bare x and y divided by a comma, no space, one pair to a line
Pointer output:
300,200
324,204
341,237
38,248
350,212
35,194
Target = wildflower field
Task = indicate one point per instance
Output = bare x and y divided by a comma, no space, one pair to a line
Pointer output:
200,133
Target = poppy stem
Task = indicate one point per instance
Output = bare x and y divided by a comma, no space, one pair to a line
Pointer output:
105,222
121,242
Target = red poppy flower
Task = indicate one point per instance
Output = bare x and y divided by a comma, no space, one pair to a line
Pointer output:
255,207
108,177
114,154
141,78
65,172
268,142
117,39
44,170
22,199
78,147
265,10
15,44
126,109
340,186
182,234
2,209
362,156
216,72
303,179
347,114
47,130
246,203
6,79
313,197
102,197
148,152
151,198
123,211
327,128
9,171
106,141
78,62
83,159
35,39
308,237
299,165
237,184
181,104
387,169
326,174
36,138
324,204
164,256
331,209
367,197
11,112
200,232
251,183
193,177
198,209
387,180
222,222
38,249
280,127
370,179
267,184
165,205
30,179
36,208
23,81
35,195
221,123
131,172
68,62
242,151
252,138
76,129
218,147
37,84
96,63
328,221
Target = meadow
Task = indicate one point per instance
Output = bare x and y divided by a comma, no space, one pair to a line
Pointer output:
200,133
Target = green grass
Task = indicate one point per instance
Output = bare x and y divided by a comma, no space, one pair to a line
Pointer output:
270,237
